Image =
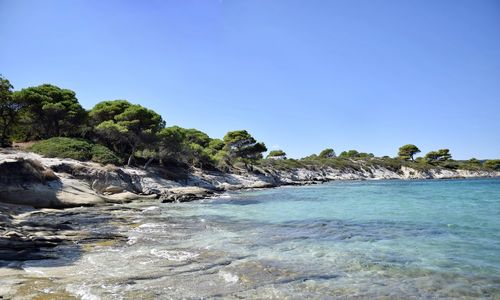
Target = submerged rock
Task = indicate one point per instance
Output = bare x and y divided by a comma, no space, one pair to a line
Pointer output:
186,194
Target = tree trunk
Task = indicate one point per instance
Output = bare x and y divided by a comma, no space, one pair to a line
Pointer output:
56,128
4,129
150,160
131,157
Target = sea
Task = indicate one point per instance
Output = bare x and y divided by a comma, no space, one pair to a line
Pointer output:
394,239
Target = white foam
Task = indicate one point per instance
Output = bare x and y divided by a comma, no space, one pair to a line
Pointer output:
82,291
132,240
149,208
149,225
34,271
229,277
221,196
173,254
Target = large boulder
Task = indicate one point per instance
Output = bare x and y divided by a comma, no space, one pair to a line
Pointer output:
28,182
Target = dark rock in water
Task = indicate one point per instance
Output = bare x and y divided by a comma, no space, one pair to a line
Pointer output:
29,234
21,246
186,195
244,202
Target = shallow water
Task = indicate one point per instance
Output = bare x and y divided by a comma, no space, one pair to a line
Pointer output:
370,239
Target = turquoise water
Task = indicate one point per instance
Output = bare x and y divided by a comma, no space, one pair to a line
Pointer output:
356,240
370,238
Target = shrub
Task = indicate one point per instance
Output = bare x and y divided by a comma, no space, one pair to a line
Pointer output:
103,155
64,148
78,149
493,164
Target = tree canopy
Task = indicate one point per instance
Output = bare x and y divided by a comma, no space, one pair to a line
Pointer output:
439,155
240,143
355,154
126,127
277,154
327,153
9,109
113,131
407,152
49,111
188,146
493,164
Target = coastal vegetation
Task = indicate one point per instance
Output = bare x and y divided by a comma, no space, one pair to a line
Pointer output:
120,132
327,153
277,154
78,149
407,152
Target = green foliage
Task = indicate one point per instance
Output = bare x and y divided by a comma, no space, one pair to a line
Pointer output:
241,144
124,126
199,156
171,143
102,154
277,154
238,138
450,164
327,153
9,110
392,164
107,110
444,154
471,164
282,164
493,164
349,154
406,152
222,160
438,156
78,149
195,136
64,148
188,146
474,161
49,111
310,157
216,144
355,154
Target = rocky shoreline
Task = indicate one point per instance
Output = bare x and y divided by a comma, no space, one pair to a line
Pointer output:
56,209
30,179
33,189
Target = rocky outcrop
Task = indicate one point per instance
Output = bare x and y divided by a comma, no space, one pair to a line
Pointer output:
27,178
302,175
28,182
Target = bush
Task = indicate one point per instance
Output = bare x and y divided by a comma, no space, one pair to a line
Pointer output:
76,149
103,155
64,148
493,164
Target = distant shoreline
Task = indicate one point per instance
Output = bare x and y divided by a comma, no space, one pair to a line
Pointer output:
31,179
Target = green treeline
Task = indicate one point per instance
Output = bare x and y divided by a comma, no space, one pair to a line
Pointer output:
120,132
117,131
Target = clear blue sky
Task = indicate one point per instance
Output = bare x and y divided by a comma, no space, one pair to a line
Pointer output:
299,75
